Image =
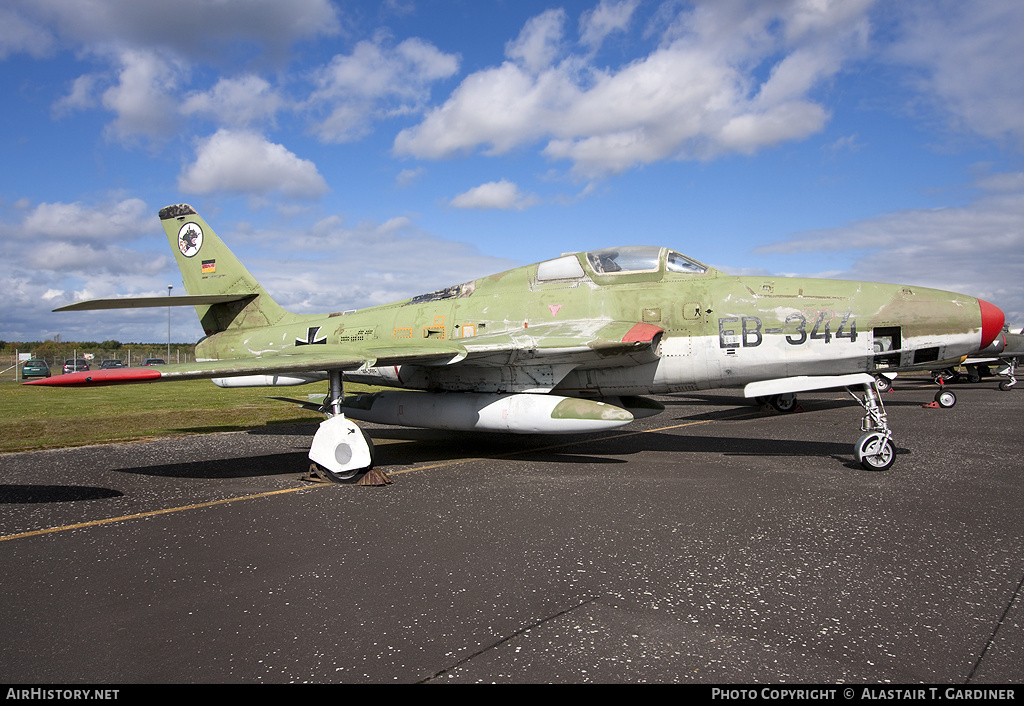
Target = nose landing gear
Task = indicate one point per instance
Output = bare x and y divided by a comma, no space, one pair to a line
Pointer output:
874,450
1010,373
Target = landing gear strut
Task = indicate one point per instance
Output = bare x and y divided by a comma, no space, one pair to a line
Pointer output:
1010,373
874,450
340,451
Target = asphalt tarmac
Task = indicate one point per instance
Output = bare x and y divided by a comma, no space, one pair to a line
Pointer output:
709,544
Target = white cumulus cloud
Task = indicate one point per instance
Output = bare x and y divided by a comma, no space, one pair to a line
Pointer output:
238,102
970,63
245,162
976,248
144,97
376,81
75,222
603,20
503,195
730,76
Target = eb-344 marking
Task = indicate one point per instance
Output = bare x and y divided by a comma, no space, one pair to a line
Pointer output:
751,333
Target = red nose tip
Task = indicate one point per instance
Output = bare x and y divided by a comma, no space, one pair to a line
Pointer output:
992,319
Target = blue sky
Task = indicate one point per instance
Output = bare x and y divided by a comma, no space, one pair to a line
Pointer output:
356,153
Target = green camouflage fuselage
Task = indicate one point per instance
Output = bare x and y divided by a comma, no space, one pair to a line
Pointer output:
521,330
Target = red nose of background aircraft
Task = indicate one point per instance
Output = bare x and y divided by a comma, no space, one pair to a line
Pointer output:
992,320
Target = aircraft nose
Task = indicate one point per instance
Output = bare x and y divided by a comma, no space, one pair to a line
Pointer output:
992,320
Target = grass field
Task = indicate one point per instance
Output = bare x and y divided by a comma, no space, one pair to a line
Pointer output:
33,417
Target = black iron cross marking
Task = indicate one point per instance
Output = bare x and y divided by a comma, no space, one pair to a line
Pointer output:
311,338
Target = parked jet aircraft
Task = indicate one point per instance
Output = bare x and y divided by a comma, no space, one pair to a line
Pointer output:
565,345
1003,354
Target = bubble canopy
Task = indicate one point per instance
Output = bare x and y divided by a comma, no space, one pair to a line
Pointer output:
632,259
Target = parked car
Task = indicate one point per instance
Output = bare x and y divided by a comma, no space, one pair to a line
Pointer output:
108,364
35,368
154,361
72,365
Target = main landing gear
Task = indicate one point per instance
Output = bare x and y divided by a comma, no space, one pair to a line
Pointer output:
341,452
784,403
874,450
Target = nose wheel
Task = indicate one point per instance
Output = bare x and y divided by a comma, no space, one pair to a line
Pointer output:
1010,373
874,450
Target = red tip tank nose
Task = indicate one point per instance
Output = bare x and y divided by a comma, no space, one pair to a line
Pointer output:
992,319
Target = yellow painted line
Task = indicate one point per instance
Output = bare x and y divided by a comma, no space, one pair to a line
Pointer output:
454,462
152,513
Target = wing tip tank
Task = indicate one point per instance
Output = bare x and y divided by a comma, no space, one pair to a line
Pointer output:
99,377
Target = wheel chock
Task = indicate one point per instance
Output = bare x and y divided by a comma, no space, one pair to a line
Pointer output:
374,477
932,405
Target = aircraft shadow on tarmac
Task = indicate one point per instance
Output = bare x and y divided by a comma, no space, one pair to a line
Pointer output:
730,405
29,494
223,468
401,448
750,446
426,446
390,455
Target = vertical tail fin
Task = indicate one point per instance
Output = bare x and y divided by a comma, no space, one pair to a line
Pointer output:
209,267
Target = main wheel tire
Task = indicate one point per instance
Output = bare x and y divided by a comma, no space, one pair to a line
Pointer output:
783,404
882,383
1005,386
875,452
945,398
345,477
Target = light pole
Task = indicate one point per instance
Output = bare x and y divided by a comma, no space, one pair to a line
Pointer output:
169,288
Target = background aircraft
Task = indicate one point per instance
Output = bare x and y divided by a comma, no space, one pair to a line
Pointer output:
565,345
1003,354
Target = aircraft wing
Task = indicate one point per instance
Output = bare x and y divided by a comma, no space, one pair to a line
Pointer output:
572,342
343,358
578,341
